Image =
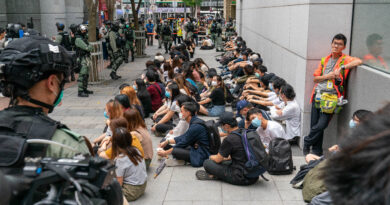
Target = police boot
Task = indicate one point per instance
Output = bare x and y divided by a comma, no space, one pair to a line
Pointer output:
126,60
72,77
114,76
88,91
83,94
132,58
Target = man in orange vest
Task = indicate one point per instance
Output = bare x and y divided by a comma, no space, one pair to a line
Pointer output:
329,77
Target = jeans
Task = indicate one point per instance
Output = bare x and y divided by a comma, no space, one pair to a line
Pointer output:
216,110
223,172
318,123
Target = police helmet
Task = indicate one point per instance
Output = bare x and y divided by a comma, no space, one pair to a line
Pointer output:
115,26
83,28
13,30
108,22
60,26
73,28
28,60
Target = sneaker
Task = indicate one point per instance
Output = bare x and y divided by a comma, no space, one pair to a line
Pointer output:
174,162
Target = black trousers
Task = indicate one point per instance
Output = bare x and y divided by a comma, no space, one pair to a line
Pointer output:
179,153
150,39
318,123
223,172
163,128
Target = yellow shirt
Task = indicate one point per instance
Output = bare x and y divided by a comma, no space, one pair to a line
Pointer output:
136,143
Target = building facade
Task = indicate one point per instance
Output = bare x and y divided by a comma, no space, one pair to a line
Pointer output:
42,13
229,9
292,36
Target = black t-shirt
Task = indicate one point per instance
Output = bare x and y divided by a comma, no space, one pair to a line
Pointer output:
218,96
232,146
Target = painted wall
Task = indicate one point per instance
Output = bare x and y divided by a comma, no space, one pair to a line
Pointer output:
292,36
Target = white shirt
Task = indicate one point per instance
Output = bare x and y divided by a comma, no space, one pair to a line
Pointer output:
180,129
273,130
291,113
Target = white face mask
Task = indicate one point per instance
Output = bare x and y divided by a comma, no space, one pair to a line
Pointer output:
181,116
213,83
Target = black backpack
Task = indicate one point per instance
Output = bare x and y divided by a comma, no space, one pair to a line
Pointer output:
228,96
65,42
129,35
280,157
255,152
213,28
213,134
190,27
166,30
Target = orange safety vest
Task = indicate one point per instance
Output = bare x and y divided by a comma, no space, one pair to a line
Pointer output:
343,75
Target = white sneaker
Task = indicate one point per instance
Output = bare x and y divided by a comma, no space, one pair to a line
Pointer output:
174,162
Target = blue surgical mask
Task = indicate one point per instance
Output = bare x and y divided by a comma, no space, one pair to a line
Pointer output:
257,75
167,94
223,130
271,87
256,122
352,124
105,115
59,99
135,87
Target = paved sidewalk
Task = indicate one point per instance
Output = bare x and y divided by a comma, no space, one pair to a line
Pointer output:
176,185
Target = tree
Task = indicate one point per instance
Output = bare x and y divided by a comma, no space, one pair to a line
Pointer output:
193,4
135,12
92,6
110,9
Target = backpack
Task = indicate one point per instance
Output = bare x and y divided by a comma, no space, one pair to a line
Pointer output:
190,27
129,35
166,31
228,96
65,42
194,91
213,28
255,153
280,157
213,134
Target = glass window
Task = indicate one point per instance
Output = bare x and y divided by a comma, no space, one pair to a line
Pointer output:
371,33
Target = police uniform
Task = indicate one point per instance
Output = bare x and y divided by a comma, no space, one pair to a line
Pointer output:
114,52
167,37
27,126
130,40
83,50
124,49
218,41
158,31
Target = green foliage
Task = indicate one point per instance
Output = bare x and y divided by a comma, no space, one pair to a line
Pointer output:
192,3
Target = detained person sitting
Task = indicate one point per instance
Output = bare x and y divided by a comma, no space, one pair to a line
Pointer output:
291,112
267,129
193,145
229,164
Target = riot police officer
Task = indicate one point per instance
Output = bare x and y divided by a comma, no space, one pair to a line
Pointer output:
33,74
158,31
218,40
130,42
114,51
64,39
83,51
122,37
167,36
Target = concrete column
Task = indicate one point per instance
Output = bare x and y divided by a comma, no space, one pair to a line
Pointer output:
74,10
3,13
52,11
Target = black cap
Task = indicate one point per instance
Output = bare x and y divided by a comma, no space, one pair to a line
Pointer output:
227,118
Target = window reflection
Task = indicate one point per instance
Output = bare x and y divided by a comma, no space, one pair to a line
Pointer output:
374,58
